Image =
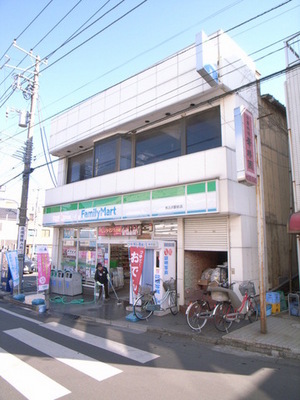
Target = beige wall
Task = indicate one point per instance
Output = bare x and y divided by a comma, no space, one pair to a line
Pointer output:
275,161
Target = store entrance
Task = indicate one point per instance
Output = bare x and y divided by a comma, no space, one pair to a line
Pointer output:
120,270
201,268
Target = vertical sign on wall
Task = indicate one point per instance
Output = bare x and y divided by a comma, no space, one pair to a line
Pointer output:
245,146
137,256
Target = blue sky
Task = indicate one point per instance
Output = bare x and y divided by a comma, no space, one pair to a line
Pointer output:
131,37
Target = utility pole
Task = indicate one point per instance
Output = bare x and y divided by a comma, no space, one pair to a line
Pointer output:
31,92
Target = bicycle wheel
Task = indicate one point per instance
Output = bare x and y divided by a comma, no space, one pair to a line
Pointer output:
220,312
173,302
140,309
253,310
197,314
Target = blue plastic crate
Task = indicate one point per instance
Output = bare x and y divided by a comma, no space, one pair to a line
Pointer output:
268,310
272,297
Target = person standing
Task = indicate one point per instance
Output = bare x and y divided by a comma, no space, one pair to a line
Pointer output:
101,276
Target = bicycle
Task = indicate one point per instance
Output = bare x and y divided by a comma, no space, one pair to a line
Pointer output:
232,308
200,310
197,314
146,303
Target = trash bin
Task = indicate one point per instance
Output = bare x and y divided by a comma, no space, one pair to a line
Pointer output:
53,282
73,283
60,282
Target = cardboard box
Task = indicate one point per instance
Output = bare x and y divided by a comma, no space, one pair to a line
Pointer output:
203,282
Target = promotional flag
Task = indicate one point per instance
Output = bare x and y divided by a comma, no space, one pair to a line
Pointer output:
43,266
137,255
13,264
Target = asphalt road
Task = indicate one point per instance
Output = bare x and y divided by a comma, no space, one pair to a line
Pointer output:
43,357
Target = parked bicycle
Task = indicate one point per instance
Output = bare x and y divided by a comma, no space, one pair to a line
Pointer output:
232,308
146,303
197,314
200,310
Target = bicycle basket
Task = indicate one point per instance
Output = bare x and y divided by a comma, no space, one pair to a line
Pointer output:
144,289
247,287
170,284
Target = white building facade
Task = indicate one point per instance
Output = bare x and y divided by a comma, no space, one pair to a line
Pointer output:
165,160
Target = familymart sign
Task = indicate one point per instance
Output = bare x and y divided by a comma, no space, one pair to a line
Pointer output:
196,198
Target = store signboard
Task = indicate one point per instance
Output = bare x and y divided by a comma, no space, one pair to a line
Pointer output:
169,201
119,230
202,197
198,198
137,205
245,146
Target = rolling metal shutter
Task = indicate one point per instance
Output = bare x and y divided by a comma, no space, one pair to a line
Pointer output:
206,234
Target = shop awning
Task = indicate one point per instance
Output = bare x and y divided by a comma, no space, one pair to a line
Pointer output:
294,223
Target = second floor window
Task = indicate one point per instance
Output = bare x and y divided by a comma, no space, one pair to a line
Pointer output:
198,132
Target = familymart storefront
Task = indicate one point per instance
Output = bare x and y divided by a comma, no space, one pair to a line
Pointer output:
162,221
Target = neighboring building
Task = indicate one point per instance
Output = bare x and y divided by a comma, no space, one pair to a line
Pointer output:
277,187
292,86
166,160
8,224
37,234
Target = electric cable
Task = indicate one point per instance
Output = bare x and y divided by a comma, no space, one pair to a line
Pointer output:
289,0
196,105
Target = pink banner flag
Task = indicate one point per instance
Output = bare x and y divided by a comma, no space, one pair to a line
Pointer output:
44,266
137,255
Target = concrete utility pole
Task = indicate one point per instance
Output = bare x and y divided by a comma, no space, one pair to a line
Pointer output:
26,174
30,92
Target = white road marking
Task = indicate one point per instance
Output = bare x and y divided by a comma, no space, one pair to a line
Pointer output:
87,365
27,380
105,344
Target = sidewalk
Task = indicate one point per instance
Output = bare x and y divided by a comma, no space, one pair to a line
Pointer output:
281,340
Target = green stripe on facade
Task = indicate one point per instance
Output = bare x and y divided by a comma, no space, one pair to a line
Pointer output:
135,197
85,204
169,192
69,207
108,201
211,186
196,188
50,210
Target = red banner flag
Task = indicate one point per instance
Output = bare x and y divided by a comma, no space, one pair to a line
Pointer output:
137,256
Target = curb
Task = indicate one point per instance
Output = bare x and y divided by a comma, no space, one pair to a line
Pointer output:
261,348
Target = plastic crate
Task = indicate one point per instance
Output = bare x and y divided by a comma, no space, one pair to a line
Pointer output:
272,297
268,309
275,308
294,305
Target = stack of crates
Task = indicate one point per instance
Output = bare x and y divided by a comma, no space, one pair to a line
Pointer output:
283,305
273,298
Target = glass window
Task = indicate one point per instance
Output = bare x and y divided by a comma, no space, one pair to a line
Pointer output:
80,167
70,233
69,250
105,157
45,233
203,131
87,259
87,233
125,154
159,144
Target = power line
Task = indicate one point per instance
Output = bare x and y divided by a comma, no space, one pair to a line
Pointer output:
25,29
195,106
96,34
